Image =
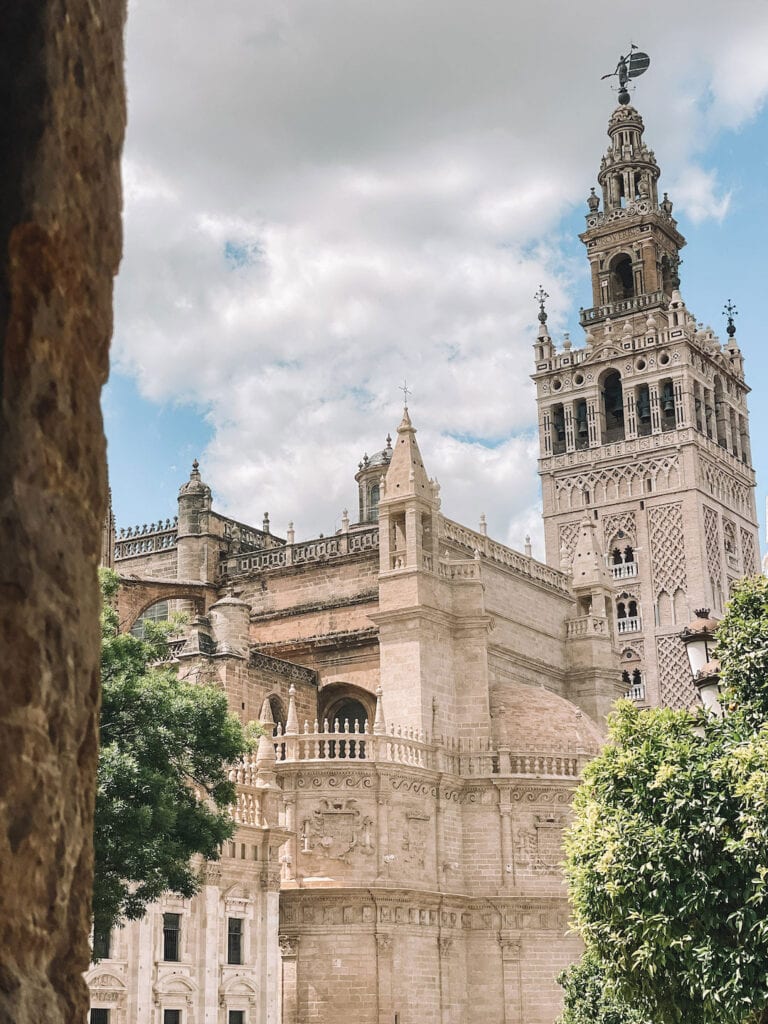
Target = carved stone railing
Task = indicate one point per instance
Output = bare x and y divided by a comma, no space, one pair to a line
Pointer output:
143,540
320,549
635,304
630,624
467,759
502,555
623,570
586,625
172,651
278,667
636,692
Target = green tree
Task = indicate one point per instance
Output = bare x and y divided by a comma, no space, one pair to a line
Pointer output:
667,859
163,791
588,998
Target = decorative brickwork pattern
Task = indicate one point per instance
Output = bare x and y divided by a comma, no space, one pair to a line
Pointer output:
569,533
617,482
714,561
667,548
722,485
622,522
675,686
748,553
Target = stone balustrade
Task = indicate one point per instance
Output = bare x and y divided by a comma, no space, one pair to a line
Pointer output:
623,570
145,539
466,758
635,304
586,625
502,555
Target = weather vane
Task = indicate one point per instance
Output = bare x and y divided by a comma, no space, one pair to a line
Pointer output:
730,311
404,388
632,66
541,297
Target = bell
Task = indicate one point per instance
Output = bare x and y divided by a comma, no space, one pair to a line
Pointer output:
644,407
581,427
668,401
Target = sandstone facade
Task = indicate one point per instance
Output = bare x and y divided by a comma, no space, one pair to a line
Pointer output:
434,695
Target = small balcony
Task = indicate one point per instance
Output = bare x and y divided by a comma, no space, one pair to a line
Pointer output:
623,570
636,692
630,624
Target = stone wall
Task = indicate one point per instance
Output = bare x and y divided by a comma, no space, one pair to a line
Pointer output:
61,71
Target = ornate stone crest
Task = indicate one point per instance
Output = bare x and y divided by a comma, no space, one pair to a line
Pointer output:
541,847
337,830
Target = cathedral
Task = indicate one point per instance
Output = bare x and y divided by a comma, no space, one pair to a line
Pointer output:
430,695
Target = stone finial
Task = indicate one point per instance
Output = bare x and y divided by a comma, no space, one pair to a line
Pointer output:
528,550
265,715
483,525
292,719
265,524
265,753
345,521
290,534
379,723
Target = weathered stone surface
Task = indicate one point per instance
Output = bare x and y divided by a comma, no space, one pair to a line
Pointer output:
61,85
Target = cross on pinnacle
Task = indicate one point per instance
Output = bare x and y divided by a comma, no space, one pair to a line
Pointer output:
404,388
730,311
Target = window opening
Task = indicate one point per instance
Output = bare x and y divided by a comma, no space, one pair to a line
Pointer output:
234,940
171,1016
171,934
99,1015
613,407
102,943
236,1017
157,612
622,276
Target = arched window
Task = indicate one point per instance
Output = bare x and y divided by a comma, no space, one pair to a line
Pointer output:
373,503
621,610
667,397
622,279
582,426
346,708
616,556
277,709
643,410
558,429
613,407
157,612
629,554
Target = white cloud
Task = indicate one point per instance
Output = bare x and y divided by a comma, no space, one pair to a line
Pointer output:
323,199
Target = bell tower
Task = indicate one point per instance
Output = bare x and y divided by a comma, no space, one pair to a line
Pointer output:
644,428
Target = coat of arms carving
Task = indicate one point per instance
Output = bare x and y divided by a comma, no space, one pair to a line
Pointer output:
337,830
541,847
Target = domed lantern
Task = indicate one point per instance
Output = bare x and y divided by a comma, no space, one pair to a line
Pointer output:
699,641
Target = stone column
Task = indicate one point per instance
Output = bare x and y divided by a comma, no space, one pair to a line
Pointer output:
384,977
570,437
511,974
630,413
289,952
653,394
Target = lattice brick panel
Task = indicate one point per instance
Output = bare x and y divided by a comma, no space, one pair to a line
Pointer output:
676,689
620,521
748,552
667,548
712,541
569,534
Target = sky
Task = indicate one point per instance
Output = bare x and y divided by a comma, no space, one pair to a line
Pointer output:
324,199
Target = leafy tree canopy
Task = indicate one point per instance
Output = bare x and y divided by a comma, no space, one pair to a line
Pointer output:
163,791
588,998
667,859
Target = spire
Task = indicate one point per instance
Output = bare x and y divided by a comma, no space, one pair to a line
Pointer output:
266,717
588,565
292,719
406,474
379,723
